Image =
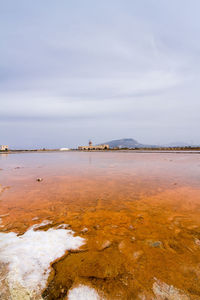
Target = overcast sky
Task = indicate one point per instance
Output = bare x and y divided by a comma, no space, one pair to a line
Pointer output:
76,70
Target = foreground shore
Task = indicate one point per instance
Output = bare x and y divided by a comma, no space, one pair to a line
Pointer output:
137,215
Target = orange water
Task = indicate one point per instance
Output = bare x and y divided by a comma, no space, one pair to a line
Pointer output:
141,212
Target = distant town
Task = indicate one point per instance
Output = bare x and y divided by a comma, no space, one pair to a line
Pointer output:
122,144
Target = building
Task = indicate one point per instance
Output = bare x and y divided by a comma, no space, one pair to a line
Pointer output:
4,148
91,147
64,149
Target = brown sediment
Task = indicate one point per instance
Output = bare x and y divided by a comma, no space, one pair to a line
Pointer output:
138,229
3,188
4,288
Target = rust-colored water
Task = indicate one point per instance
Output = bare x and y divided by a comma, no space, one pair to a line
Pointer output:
140,214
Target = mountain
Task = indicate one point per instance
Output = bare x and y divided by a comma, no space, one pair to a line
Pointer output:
131,143
124,143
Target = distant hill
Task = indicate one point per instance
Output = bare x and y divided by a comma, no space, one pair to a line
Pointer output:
131,143
125,143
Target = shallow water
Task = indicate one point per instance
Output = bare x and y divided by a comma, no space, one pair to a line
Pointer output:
138,212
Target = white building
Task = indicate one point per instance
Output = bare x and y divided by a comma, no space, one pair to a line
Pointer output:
4,148
64,149
91,147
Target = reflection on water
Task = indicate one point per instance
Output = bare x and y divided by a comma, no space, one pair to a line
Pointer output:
139,213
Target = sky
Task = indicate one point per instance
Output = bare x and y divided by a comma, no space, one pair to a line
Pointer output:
76,70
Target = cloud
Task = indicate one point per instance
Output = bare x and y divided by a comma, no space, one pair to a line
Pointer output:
106,62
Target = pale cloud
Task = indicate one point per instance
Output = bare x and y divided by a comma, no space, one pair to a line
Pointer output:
127,65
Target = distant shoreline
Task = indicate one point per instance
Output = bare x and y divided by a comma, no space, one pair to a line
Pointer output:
141,150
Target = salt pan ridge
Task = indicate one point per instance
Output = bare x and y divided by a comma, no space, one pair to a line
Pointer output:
29,257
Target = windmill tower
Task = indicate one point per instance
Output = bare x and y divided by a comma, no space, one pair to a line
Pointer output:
90,143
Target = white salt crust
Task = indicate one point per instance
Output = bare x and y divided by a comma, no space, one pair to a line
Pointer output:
29,256
62,226
164,291
83,292
44,223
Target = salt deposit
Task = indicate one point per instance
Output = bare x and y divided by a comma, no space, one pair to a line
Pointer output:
44,223
83,292
29,257
62,226
164,291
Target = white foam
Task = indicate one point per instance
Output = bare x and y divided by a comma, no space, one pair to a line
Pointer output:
29,256
83,292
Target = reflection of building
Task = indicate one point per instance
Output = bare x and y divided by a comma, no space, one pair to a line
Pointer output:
4,148
91,147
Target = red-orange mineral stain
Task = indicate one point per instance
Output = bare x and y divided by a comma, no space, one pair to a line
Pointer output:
139,214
